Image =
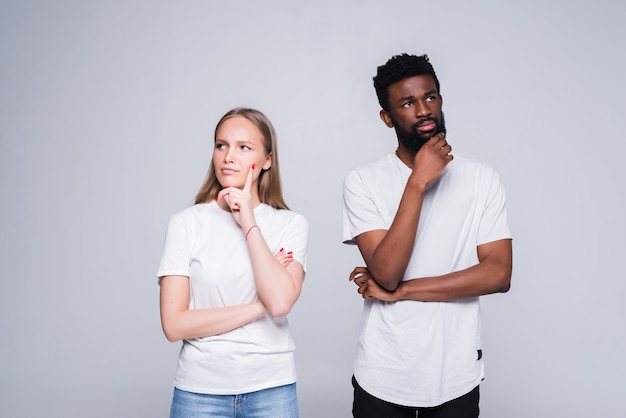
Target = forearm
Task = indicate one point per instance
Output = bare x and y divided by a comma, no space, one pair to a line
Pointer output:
278,287
481,279
196,323
387,262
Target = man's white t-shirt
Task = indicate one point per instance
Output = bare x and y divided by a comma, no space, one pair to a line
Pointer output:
205,243
425,353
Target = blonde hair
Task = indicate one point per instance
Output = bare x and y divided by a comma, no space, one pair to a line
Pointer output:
269,184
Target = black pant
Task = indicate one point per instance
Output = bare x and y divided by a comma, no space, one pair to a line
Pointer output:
368,406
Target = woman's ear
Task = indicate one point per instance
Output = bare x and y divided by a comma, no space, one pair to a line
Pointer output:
386,118
268,162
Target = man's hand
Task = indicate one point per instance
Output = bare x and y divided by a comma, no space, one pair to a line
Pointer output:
368,287
431,159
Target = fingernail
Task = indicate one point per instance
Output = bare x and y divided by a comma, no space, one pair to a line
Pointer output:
290,252
253,166
216,198
281,250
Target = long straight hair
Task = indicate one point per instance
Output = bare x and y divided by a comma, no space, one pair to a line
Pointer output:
269,184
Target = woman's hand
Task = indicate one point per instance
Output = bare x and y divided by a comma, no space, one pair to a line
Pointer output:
240,202
284,258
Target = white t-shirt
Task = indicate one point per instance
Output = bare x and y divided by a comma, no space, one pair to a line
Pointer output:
205,243
425,353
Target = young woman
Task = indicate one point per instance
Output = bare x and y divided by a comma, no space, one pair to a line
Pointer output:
231,270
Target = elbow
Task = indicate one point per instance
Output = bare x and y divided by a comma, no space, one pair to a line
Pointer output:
278,310
279,307
391,287
504,283
386,280
505,288
171,337
171,334
280,304
497,277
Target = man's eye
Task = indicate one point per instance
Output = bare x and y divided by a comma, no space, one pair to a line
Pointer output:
407,104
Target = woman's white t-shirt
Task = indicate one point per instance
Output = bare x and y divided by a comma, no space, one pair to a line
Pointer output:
205,243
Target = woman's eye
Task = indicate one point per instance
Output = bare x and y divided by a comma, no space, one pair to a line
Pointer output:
220,146
245,147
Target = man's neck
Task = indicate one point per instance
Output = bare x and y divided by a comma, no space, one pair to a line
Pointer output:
405,156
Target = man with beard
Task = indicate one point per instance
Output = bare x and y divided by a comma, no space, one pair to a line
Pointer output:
434,234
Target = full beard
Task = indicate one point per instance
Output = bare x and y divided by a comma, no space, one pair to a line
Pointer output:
414,139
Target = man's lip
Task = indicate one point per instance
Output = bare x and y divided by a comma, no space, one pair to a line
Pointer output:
427,126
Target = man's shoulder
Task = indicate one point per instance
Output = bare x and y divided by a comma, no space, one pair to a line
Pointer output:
465,164
375,167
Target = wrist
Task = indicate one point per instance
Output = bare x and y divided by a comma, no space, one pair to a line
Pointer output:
251,229
417,183
261,307
400,292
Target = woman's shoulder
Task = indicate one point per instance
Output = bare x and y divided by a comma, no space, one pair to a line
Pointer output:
192,212
282,215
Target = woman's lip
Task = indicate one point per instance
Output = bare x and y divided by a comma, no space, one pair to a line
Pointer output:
227,170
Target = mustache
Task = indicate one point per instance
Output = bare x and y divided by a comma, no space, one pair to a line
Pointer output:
425,120
439,124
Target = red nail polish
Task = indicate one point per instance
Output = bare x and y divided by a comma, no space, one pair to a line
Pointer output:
253,166
216,198
281,250
290,252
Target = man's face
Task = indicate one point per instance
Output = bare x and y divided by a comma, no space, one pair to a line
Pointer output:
415,111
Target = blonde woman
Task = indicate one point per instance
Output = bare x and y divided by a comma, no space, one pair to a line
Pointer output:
232,269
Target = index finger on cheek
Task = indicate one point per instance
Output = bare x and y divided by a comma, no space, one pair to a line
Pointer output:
248,185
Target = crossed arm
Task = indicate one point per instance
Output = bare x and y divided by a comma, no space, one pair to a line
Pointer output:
179,322
387,252
278,279
492,274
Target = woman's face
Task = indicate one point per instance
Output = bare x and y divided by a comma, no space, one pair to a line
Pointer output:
239,146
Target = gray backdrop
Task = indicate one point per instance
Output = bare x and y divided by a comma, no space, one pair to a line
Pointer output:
106,118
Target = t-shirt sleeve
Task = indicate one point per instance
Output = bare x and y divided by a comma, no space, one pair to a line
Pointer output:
359,209
175,260
296,239
494,224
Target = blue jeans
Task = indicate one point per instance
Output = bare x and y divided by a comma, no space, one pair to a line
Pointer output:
278,402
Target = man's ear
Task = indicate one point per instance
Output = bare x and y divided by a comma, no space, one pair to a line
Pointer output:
386,118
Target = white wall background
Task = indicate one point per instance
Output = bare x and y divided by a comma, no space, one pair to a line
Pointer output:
106,118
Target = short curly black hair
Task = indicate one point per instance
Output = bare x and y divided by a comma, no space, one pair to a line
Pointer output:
398,68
